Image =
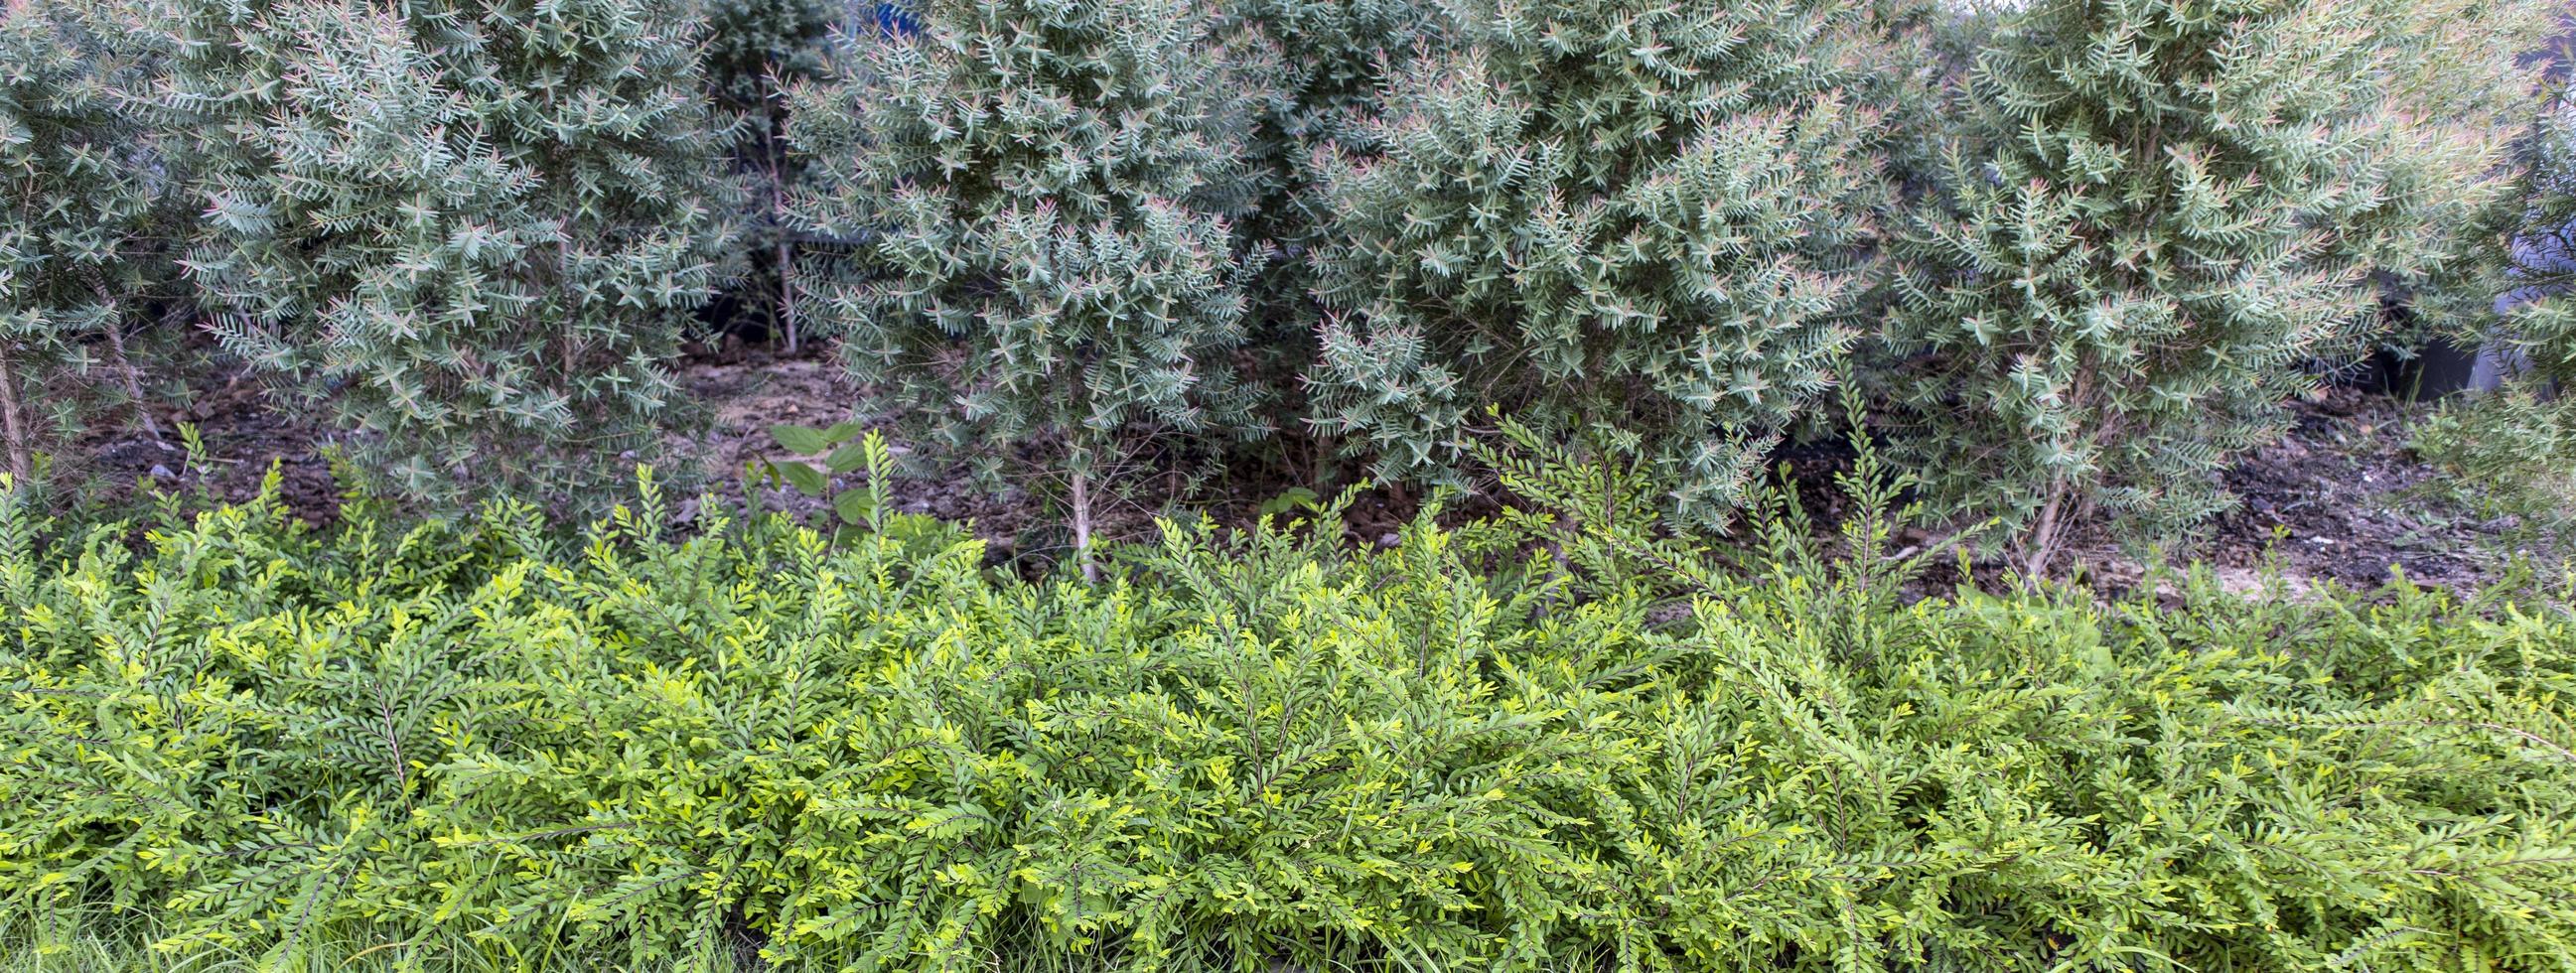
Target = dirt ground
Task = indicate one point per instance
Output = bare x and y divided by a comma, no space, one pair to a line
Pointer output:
243,437
2351,503
2341,499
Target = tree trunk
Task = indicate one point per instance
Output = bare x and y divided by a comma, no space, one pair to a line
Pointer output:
125,366
1082,525
778,225
2043,535
786,298
13,424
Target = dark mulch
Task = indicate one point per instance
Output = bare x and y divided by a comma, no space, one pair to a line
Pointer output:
122,466
2341,499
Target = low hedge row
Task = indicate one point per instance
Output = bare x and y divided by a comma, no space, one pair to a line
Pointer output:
1253,752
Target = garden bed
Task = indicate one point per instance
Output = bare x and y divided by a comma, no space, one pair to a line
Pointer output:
2340,499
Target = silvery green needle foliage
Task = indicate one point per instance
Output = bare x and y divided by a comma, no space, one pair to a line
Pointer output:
750,43
1037,198
80,201
2514,452
467,230
752,50
2542,306
2160,211
1339,56
1635,225
2461,72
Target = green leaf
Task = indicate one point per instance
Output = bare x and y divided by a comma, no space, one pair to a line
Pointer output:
801,440
805,478
854,506
841,432
849,458
1296,498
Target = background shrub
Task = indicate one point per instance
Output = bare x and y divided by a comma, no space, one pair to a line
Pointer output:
1632,225
753,51
83,223
2514,452
2541,309
1255,749
1036,199
2159,211
1337,57
469,231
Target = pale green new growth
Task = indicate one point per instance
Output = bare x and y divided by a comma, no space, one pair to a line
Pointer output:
470,743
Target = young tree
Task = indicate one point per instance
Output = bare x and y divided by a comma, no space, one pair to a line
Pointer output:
1037,196
1344,53
753,51
2513,451
469,229
2466,69
2159,211
1637,225
2541,308
80,197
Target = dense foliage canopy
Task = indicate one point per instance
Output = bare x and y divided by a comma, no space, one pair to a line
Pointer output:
466,738
471,230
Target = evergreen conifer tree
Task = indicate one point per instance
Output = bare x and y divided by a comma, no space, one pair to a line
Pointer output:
753,51
1340,55
80,205
469,229
2542,304
2461,70
2160,211
1636,225
1037,195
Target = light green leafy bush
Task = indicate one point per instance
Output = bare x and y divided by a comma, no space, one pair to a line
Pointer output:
468,232
2510,454
469,739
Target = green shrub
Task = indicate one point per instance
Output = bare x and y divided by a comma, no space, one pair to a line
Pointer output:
2462,78
469,231
2510,453
753,51
469,744
2513,452
1633,225
2541,317
2160,212
752,46
1338,57
81,214
1036,197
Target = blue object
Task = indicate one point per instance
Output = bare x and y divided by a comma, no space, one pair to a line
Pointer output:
894,19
